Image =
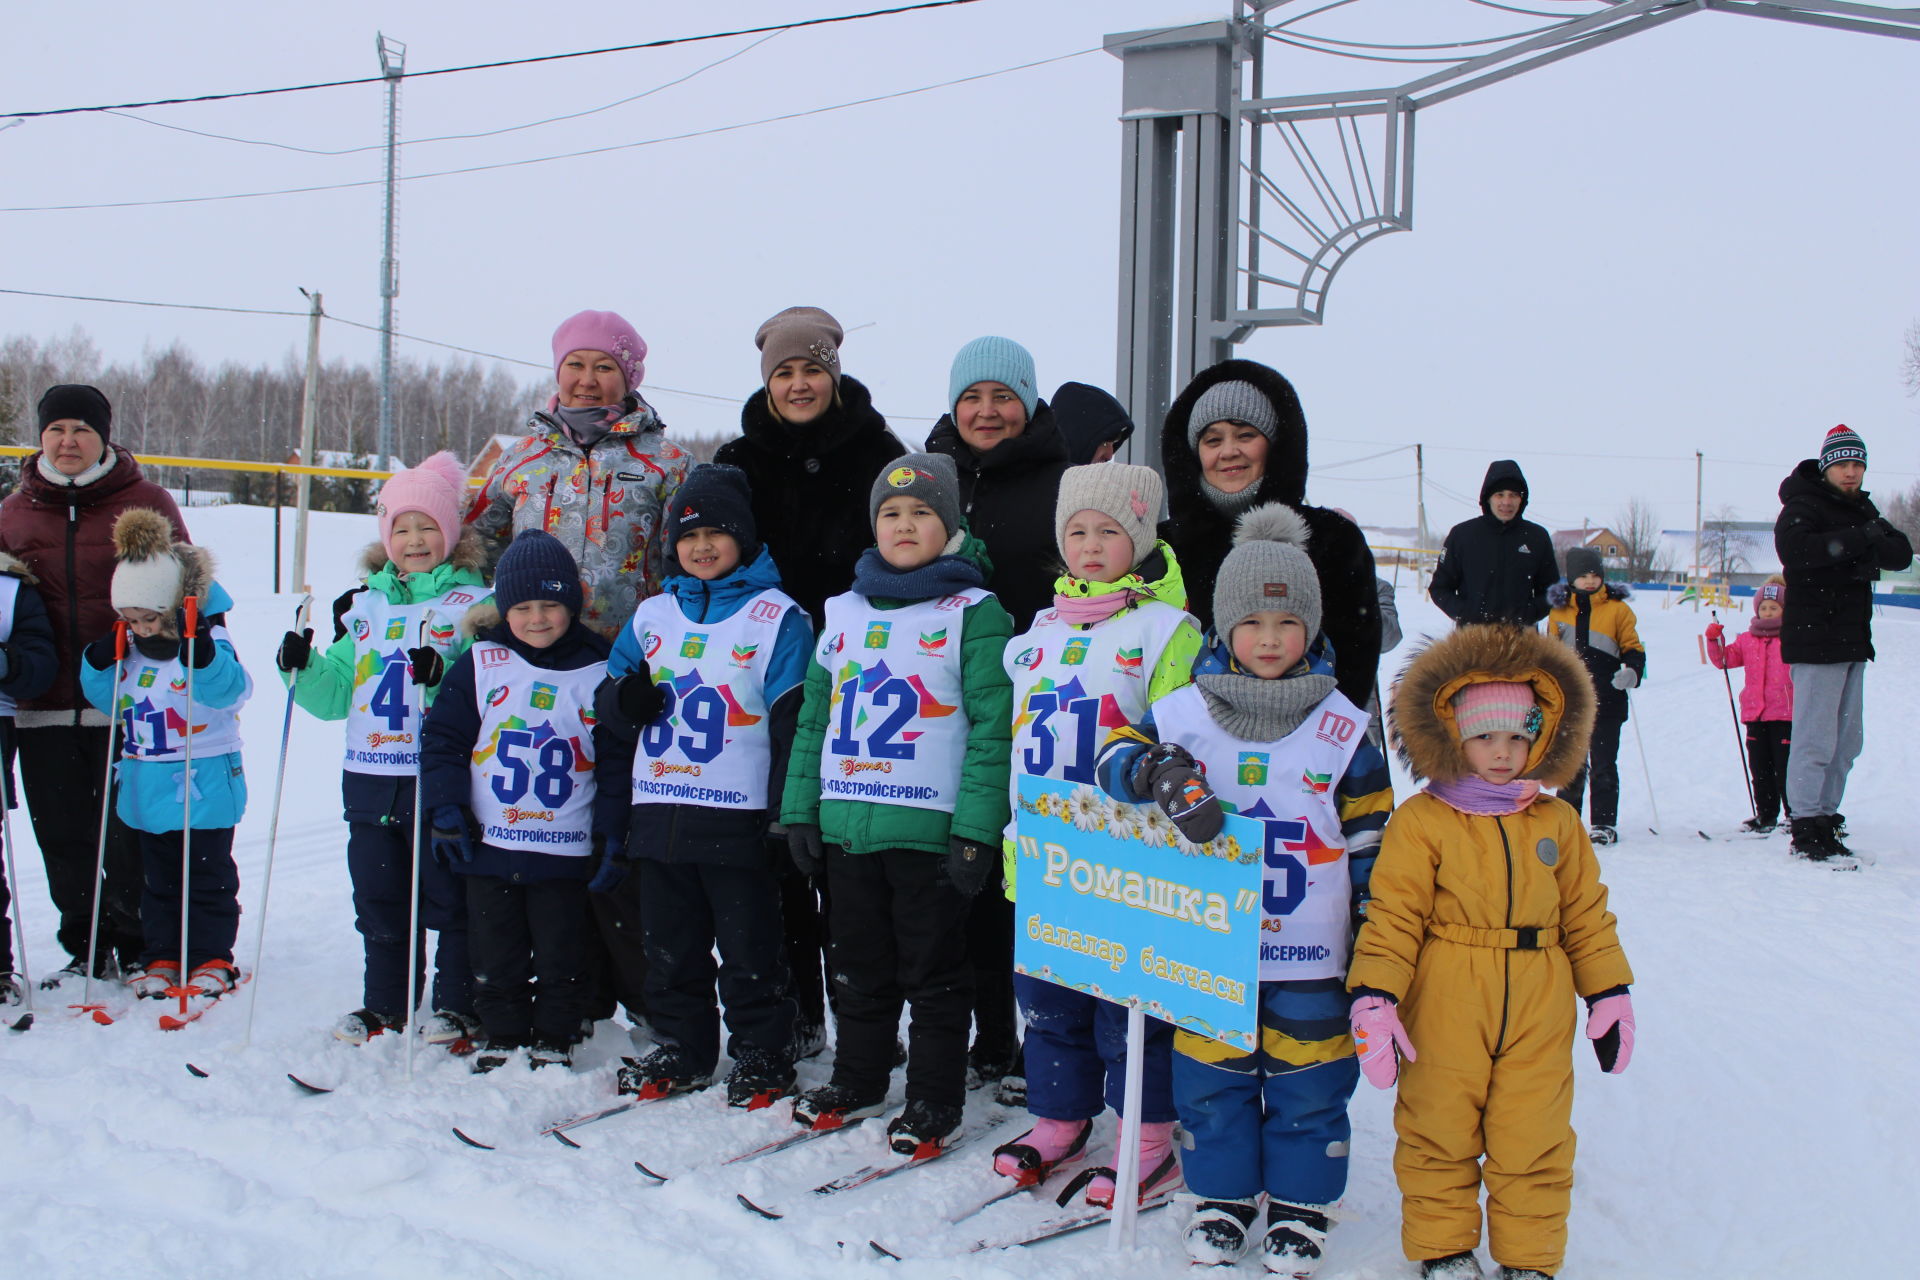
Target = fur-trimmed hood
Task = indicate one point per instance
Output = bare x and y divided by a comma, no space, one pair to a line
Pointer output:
469,552
18,568
1420,716
481,617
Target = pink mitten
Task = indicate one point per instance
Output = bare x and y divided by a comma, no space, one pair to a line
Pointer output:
1377,1034
1610,1027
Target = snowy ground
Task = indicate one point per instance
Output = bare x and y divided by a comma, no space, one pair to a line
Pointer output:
1767,1127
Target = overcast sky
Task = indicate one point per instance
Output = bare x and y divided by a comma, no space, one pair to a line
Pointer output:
1702,237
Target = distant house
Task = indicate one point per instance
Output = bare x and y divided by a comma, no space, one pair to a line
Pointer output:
1611,546
1738,552
483,462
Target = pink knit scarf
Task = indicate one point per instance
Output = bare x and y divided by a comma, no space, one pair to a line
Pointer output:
1086,610
1474,794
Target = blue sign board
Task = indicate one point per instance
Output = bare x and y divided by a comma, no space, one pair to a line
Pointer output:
1113,903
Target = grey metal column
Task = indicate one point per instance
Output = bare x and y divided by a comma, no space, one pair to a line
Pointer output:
1177,215
393,62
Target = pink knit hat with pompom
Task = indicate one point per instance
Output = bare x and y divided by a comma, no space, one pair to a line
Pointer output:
434,488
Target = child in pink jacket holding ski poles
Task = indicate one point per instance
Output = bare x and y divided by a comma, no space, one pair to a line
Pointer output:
1766,700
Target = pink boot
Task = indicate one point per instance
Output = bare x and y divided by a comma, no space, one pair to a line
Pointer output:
1159,1168
1035,1154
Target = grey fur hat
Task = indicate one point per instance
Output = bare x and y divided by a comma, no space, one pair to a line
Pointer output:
1267,569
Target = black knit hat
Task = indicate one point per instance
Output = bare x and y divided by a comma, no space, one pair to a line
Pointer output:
537,566
1582,561
714,496
77,400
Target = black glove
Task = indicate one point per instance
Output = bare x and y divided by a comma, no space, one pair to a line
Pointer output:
426,666
6,662
640,699
203,649
100,654
969,865
451,837
296,651
1167,774
805,847
613,864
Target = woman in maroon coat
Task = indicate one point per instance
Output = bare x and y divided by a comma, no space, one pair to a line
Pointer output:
60,523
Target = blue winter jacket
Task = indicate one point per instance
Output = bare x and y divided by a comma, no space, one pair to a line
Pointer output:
698,833
149,794
452,727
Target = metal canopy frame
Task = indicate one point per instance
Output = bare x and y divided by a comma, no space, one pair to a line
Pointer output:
1206,258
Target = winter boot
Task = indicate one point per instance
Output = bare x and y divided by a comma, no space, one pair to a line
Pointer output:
1810,839
1524,1273
11,991
448,1028
105,969
494,1054
1012,1089
1217,1233
922,1128
809,1040
661,1074
1835,829
758,1079
1455,1266
988,1066
550,1053
1033,1156
214,977
1296,1237
1159,1168
832,1105
1839,823
156,979
363,1025
1604,835
1758,826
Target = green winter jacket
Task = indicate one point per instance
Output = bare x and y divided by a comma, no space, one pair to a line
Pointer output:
981,812
327,681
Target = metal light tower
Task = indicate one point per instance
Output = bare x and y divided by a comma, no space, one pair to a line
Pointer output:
1237,208
393,61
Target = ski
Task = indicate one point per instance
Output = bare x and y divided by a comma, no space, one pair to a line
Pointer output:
472,1142
559,1128
196,1072
199,1006
305,1085
23,1023
751,1207
926,1153
657,1177
1065,1225
794,1140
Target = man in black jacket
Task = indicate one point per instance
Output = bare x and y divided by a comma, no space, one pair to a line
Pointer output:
1496,567
1833,545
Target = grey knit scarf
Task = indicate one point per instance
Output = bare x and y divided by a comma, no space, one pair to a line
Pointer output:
1256,710
1232,505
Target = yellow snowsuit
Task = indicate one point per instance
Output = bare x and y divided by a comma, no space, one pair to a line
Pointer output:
1491,1018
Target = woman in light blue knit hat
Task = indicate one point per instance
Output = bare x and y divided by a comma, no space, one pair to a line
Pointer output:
1010,456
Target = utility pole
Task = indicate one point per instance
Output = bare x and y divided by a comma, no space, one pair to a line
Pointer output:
309,416
1420,490
1699,569
393,61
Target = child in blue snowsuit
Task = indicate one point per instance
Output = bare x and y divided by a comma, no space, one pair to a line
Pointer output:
164,711
392,640
27,668
709,677
507,776
1281,744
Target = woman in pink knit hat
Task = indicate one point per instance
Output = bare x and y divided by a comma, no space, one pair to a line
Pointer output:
595,470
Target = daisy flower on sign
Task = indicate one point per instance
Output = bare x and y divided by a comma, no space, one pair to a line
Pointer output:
1087,809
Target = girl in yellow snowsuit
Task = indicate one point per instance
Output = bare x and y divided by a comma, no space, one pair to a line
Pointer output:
1488,917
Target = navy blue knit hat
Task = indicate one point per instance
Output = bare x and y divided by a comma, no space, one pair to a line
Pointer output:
714,496
537,566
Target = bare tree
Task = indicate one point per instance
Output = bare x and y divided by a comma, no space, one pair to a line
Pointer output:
1640,542
1910,360
1724,548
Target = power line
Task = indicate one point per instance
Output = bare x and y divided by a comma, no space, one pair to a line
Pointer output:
493,66
570,155
449,137
173,306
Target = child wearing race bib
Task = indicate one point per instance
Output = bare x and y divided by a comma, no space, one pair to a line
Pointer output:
1488,917
898,788
1117,639
392,639
708,677
507,776
1280,744
28,666
158,705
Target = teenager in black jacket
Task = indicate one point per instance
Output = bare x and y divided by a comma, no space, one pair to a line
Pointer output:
1833,545
1497,566
1236,439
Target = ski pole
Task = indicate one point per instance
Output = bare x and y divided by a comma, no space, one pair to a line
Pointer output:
190,625
13,878
414,943
1739,741
273,829
1647,774
87,1006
